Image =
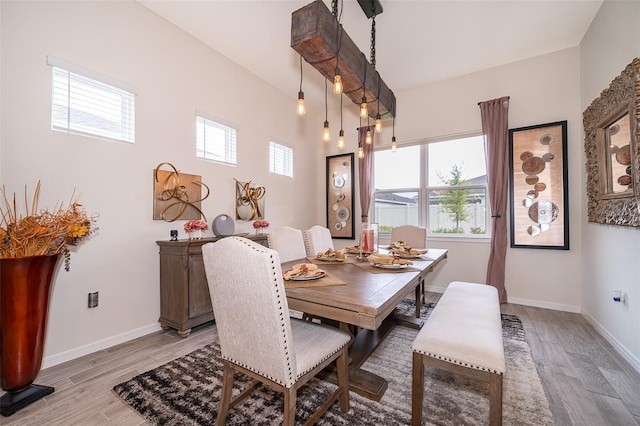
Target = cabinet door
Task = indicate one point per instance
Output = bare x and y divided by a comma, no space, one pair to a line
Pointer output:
199,299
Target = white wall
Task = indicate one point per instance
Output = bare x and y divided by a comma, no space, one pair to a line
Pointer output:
611,254
174,75
542,90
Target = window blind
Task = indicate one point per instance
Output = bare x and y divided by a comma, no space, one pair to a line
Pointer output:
280,159
86,106
215,141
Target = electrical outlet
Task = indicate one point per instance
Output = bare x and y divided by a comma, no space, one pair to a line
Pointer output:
93,299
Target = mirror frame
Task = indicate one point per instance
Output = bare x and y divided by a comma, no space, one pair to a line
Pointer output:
620,98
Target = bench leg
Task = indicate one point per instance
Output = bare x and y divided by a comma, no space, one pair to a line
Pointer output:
417,389
495,399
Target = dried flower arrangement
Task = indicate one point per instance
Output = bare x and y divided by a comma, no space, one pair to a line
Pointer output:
42,232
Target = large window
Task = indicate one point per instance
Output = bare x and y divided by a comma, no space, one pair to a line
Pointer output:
280,159
215,141
90,107
438,185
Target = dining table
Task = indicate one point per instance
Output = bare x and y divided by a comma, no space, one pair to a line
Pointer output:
361,298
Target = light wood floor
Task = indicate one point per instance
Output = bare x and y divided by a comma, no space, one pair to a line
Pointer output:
586,381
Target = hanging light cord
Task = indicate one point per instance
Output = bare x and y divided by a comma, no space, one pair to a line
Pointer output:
301,73
326,108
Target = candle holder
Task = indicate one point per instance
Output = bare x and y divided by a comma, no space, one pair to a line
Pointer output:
368,239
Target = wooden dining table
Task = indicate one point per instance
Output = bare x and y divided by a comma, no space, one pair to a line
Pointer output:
363,303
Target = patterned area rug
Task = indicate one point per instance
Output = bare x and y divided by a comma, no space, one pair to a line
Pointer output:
186,391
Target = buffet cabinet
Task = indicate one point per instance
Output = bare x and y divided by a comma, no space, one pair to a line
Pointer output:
184,291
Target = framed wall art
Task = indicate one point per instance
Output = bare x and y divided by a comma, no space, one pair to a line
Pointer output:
340,191
612,130
538,186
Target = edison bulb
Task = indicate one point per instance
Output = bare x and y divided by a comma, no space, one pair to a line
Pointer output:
341,140
360,152
378,124
368,138
364,111
337,84
394,145
326,134
301,108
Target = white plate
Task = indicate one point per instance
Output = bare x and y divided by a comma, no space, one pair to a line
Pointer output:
315,276
407,255
329,259
351,251
379,265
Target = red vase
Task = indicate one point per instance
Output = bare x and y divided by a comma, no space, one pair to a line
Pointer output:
24,300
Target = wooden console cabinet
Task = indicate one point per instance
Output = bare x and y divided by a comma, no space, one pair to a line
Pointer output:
184,292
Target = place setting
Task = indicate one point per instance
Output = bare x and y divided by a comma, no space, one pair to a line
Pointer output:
331,256
403,251
382,263
309,275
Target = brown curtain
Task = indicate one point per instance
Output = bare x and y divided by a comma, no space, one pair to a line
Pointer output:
366,171
495,127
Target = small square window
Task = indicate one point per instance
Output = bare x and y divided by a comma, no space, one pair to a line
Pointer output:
86,106
280,159
215,141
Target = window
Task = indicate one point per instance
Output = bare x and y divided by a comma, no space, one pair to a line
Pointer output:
90,107
438,185
215,141
280,159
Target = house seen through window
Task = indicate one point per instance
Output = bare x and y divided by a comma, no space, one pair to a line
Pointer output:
438,185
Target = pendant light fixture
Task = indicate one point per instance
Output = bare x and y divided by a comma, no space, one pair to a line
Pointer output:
337,78
301,108
378,118
326,134
360,151
341,134
394,145
364,111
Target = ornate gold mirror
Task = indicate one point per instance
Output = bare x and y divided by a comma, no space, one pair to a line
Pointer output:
611,127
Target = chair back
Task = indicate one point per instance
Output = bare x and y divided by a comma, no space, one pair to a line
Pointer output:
414,236
317,239
288,242
250,307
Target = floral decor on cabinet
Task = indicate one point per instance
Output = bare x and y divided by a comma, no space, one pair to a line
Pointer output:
194,229
260,226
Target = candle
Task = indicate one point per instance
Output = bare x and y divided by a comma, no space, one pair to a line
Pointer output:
367,240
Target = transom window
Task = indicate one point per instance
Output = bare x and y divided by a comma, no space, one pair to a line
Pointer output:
280,159
215,141
440,185
86,106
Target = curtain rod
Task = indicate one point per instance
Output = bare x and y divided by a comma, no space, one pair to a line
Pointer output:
508,97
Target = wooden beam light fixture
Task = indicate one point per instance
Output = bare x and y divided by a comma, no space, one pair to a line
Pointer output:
318,36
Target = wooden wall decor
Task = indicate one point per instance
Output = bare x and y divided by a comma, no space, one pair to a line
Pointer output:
612,129
177,195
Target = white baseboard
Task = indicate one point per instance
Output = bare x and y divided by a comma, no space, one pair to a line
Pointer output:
619,347
56,359
526,302
546,305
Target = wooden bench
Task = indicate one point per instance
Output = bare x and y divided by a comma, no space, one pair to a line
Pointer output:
462,335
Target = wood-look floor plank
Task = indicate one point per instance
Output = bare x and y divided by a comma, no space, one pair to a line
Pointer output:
614,409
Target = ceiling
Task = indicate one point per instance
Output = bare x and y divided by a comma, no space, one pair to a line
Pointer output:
417,41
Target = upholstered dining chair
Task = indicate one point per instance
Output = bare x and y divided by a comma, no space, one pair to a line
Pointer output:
257,337
317,239
288,242
414,236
